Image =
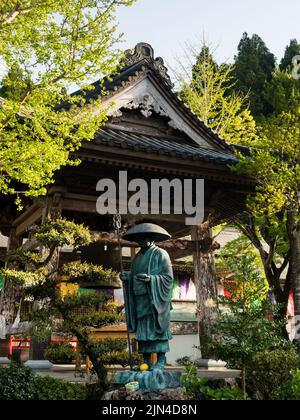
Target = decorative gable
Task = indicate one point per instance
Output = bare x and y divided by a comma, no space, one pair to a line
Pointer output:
144,84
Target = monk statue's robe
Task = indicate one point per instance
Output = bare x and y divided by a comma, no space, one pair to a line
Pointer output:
148,304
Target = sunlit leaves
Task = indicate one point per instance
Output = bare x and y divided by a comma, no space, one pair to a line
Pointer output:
205,86
48,49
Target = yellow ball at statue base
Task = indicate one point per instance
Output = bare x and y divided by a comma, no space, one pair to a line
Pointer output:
144,367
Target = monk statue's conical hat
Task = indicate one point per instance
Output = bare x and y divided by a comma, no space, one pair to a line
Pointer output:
147,230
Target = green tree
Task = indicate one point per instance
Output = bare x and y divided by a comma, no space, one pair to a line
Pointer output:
204,86
268,235
242,330
75,313
254,65
229,256
275,164
46,49
291,51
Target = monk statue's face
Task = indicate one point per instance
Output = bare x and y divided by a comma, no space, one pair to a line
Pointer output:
146,243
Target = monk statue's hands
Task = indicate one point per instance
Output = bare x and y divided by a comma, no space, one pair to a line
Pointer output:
143,277
124,276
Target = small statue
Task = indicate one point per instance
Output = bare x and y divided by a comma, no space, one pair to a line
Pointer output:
148,291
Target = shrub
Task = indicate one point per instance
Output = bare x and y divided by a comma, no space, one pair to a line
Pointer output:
198,389
60,353
53,389
120,358
268,370
20,383
16,383
290,390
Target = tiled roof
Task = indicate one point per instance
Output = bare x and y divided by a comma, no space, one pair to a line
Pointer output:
151,144
107,87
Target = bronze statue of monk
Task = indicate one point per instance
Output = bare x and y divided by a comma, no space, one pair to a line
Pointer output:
148,293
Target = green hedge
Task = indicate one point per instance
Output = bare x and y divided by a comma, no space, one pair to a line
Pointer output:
53,389
20,383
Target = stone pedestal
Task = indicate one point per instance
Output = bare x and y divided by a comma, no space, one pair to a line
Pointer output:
210,364
176,394
4,361
39,365
154,380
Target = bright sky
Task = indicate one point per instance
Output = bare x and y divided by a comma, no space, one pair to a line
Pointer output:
168,24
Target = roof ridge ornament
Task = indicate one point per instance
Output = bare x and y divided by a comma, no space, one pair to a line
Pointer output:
144,51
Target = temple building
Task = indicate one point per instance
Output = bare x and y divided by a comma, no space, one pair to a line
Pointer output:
150,134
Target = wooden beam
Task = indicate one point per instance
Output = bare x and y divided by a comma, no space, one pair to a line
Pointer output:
27,219
184,246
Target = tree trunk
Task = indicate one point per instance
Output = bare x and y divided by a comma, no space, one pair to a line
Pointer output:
51,211
205,283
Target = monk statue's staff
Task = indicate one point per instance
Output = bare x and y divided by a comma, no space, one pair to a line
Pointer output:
117,222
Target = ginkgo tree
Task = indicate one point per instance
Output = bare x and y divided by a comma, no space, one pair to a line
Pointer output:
207,88
47,50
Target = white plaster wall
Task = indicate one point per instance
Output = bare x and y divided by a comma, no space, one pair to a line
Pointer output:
183,345
3,241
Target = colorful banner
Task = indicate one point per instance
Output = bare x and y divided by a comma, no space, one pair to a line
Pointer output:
291,306
183,287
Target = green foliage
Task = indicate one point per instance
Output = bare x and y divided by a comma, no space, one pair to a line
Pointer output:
50,389
283,93
76,314
240,335
121,358
19,383
291,51
289,390
254,65
275,160
41,329
62,232
274,164
239,247
269,370
16,383
197,388
27,279
250,285
242,330
47,48
86,300
90,273
97,319
23,258
60,353
205,88
112,351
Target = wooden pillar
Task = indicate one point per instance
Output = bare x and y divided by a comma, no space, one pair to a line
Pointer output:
205,283
52,210
9,293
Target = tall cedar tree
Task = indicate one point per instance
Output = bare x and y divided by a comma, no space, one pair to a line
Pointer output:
254,65
291,51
